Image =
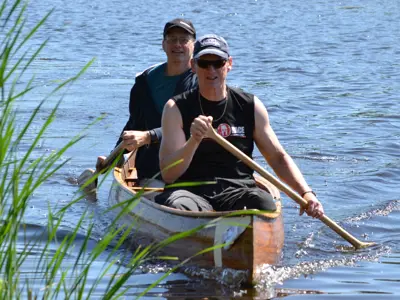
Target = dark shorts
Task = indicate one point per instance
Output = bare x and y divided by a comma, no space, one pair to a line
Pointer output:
226,194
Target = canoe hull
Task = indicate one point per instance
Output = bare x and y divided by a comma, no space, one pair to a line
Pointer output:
250,240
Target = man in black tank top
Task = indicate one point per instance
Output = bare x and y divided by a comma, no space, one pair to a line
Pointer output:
239,117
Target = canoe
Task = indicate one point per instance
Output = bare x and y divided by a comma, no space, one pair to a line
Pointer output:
251,240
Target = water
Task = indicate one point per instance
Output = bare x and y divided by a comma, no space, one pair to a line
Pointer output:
328,74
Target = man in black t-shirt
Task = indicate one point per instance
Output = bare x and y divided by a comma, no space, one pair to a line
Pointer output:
239,117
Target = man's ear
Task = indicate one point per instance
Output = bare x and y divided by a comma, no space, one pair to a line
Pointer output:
230,63
164,45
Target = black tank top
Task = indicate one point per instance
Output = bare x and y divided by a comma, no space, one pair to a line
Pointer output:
234,120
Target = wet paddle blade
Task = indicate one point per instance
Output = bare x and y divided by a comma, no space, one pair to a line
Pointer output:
88,179
85,177
88,184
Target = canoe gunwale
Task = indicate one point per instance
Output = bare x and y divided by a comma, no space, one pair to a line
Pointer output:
211,215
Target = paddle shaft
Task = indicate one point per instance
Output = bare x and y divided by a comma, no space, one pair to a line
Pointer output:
113,155
286,189
146,189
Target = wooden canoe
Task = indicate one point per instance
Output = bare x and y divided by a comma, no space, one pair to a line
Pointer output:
254,239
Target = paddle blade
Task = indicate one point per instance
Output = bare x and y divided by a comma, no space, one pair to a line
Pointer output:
365,245
88,184
85,177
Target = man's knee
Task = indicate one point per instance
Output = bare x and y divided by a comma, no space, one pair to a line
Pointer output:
260,199
183,204
185,200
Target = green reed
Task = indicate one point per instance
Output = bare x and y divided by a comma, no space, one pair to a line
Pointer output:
22,173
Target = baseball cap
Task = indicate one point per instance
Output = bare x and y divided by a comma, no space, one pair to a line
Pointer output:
181,23
211,44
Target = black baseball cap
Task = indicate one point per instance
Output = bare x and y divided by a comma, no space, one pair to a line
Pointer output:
211,44
181,23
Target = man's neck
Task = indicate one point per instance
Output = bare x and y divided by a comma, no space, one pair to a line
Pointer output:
176,68
215,93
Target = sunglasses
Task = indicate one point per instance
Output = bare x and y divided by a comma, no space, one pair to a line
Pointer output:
217,64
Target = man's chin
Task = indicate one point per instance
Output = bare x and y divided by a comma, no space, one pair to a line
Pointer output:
178,55
177,59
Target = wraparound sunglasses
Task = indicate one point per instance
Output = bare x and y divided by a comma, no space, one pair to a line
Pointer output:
217,64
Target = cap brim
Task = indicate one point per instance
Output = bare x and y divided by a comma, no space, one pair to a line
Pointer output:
212,51
180,26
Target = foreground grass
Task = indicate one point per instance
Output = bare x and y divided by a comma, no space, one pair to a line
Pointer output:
21,174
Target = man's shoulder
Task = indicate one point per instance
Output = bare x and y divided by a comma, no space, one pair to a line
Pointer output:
185,95
189,74
148,70
239,93
186,82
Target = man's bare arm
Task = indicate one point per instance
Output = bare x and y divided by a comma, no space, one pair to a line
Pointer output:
279,160
174,145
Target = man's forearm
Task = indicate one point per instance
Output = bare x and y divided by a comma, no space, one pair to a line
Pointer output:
287,170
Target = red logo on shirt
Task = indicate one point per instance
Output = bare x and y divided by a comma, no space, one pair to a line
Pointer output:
224,130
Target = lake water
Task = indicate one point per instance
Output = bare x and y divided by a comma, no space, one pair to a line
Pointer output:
328,73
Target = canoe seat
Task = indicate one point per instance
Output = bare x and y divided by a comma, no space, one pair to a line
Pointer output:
132,175
131,179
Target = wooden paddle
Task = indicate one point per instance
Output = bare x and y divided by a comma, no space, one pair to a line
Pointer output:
284,188
88,174
147,189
